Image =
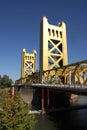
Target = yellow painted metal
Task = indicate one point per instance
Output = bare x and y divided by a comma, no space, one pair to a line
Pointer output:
75,73
53,45
28,63
70,74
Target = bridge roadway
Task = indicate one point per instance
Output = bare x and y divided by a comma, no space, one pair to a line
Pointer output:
71,88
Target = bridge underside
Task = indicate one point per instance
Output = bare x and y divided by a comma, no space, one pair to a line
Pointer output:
47,99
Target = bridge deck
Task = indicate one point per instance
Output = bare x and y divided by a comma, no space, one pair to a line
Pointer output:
73,88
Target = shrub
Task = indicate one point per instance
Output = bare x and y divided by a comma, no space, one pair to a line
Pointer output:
14,113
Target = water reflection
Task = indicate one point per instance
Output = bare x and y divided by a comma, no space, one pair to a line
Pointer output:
70,120
64,120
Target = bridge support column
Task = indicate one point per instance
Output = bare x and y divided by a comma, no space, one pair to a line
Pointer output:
48,98
42,105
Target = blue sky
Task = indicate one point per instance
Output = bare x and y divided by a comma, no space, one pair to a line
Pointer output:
20,28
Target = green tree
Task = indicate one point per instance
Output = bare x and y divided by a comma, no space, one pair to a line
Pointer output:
5,81
14,113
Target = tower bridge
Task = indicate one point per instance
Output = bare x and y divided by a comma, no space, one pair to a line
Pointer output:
54,67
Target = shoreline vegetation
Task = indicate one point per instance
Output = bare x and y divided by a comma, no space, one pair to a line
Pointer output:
14,112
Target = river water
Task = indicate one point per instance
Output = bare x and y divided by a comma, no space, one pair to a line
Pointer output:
64,119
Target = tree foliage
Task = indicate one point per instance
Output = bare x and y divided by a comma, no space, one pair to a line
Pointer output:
14,113
5,81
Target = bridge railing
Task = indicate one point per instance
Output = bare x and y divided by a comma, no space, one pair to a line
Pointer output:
34,78
70,74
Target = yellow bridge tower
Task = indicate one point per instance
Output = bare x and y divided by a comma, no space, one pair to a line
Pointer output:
53,45
53,50
28,63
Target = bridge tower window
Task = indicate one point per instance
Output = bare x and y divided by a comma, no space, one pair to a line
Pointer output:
53,33
49,32
60,34
57,33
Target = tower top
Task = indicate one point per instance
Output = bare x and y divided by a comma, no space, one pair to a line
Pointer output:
24,50
34,51
45,18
